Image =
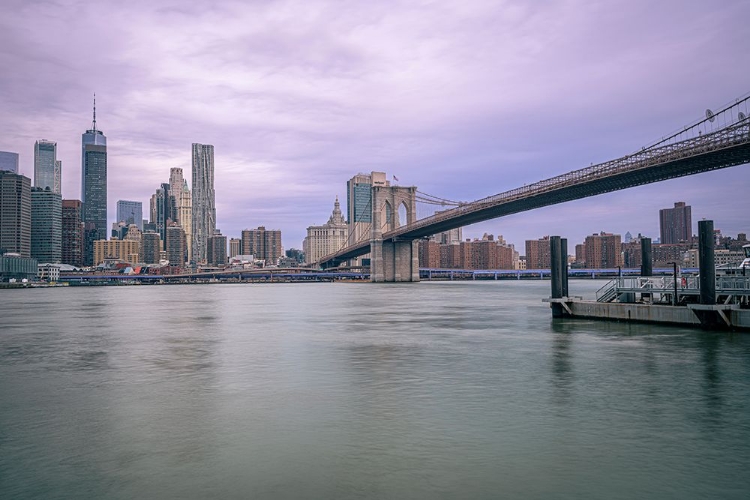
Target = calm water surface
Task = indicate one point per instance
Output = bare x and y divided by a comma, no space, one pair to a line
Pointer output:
424,391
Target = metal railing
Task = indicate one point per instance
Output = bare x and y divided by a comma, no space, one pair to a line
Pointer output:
686,285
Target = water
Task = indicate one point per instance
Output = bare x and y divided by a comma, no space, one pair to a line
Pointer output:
434,390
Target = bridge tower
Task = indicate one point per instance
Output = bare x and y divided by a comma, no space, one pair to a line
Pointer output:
392,260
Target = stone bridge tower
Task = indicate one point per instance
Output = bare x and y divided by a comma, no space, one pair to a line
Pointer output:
393,260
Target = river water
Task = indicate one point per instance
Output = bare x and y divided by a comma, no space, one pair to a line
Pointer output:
341,390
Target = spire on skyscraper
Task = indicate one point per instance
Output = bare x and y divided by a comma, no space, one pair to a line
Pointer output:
94,129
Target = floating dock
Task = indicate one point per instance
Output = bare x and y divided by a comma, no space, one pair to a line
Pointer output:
705,301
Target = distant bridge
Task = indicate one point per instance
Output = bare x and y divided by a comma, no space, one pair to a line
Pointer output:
717,141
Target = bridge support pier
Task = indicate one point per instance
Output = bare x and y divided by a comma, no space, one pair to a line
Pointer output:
394,261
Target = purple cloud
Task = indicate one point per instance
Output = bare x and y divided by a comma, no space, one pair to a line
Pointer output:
462,99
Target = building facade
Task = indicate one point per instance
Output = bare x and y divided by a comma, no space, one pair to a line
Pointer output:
326,239
47,173
15,214
176,245
46,225
603,251
93,188
163,210
204,202
150,251
178,186
130,212
263,244
72,233
538,253
9,162
675,224
114,250
235,247
216,250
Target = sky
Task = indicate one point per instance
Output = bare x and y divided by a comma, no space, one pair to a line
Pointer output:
463,99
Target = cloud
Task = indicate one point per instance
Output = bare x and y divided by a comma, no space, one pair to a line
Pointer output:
463,99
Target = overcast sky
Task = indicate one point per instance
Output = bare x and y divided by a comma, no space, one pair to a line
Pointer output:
463,99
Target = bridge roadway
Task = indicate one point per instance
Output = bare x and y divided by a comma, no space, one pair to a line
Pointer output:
727,147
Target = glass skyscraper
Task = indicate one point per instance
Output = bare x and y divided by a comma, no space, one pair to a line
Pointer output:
15,213
47,169
9,161
130,212
46,225
93,189
204,207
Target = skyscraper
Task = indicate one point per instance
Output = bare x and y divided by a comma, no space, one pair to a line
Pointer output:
675,224
359,206
46,225
9,161
15,213
175,245
130,212
163,210
47,169
150,247
93,188
216,249
178,187
72,233
204,208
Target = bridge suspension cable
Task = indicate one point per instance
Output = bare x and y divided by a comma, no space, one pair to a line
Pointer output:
436,200
735,112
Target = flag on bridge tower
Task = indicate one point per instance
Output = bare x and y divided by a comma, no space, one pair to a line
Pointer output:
395,178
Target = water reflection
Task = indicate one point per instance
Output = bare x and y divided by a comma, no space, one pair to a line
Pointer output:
562,366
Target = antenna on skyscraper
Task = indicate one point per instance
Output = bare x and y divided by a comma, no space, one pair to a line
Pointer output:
94,111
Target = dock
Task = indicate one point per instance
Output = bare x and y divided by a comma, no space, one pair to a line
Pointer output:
705,301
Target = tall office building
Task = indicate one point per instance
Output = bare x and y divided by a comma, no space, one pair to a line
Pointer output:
15,213
93,188
675,224
216,249
72,233
178,187
359,206
9,161
130,212
47,168
204,207
163,209
262,244
235,247
175,245
150,251
46,225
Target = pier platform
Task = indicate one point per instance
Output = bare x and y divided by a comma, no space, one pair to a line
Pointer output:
705,300
711,316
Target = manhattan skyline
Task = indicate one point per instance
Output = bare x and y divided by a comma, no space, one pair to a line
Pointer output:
463,101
